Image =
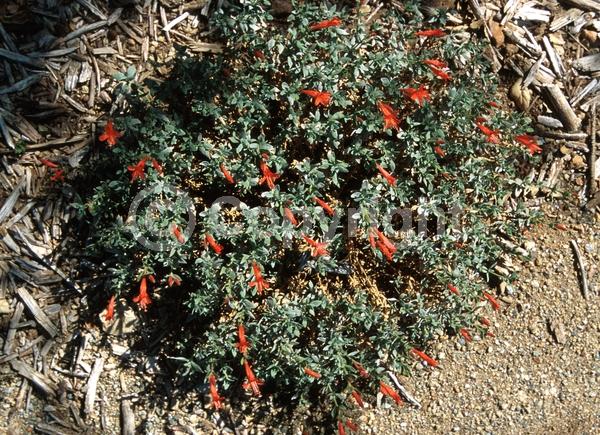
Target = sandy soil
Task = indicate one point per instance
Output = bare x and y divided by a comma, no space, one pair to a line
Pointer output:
540,374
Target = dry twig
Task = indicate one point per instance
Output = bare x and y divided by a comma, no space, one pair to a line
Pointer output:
582,272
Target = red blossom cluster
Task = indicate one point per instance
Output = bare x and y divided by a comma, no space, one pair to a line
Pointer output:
378,240
57,173
138,171
385,174
333,22
143,298
110,134
259,282
319,98
317,248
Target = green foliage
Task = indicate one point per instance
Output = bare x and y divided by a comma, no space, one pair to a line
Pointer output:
245,108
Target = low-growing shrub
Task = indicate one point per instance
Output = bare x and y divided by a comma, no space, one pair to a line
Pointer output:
347,182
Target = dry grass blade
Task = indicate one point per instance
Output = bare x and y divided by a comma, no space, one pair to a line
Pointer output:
42,382
591,5
6,134
21,85
10,202
593,151
528,12
582,272
40,317
57,53
17,217
46,263
12,328
557,100
589,63
555,60
590,89
205,47
90,395
7,39
92,8
22,59
22,125
127,419
176,21
84,29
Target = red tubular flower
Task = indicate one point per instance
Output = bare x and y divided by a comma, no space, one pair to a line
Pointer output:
227,174
157,167
259,282
326,207
319,98
492,300
439,68
333,22
341,430
385,246
353,427
439,151
208,239
137,170
268,177
259,54
214,393
49,163
177,233
59,175
110,135
372,239
465,333
385,174
390,116
436,63
290,216
453,289
442,74
317,248
485,321
110,309
386,390
143,299
418,95
385,251
358,399
310,372
493,104
242,344
529,142
430,361
492,135
251,382
389,245
173,280
360,369
433,33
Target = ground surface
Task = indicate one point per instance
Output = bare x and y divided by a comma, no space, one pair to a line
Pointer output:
540,374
